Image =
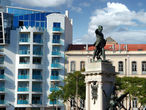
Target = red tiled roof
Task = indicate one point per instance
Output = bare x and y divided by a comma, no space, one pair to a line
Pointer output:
110,47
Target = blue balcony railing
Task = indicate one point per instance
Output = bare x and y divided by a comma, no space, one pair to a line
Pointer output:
37,89
24,52
54,88
2,89
2,102
57,29
53,102
37,52
56,41
53,65
24,62
36,102
2,76
37,77
54,77
56,53
22,102
23,76
37,40
24,40
22,89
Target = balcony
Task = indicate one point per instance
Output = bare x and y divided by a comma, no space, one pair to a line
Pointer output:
54,88
37,89
37,77
2,102
36,102
24,40
2,76
23,76
53,102
24,52
57,30
2,89
53,65
55,78
56,53
22,102
22,89
37,41
24,60
37,52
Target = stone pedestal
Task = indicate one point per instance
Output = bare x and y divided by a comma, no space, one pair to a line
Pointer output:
103,73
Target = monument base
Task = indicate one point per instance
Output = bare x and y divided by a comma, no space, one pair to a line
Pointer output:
103,74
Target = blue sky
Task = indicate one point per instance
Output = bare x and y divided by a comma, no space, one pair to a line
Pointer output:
123,20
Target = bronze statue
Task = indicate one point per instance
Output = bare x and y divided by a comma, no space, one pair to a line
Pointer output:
94,87
99,44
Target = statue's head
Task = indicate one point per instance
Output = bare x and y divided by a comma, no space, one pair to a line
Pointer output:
100,28
94,83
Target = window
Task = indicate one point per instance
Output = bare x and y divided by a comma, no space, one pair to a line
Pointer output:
134,67
134,103
82,65
73,66
144,67
56,24
1,60
37,60
24,60
120,66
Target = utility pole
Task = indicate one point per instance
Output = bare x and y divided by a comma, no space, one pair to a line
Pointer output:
76,92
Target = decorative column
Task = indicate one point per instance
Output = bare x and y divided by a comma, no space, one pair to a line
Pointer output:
99,79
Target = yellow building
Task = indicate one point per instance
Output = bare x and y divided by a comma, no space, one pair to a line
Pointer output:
128,59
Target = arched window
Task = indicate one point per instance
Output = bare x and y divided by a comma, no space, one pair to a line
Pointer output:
82,65
134,67
144,67
120,65
72,66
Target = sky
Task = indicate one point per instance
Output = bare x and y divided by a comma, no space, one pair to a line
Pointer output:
123,20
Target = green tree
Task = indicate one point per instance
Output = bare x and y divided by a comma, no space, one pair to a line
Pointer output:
135,86
74,86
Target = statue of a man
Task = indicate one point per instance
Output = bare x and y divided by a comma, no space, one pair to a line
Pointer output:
99,43
94,87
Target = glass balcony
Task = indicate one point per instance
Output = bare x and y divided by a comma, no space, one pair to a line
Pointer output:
54,77
37,89
2,76
53,102
58,29
24,40
36,102
56,53
2,102
37,40
56,41
2,89
37,77
22,89
54,65
22,102
23,76
24,60
54,88
37,52
24,52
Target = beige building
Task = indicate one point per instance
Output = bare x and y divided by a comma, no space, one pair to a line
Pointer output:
128,59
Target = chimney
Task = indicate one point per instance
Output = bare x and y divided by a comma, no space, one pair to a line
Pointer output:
66,13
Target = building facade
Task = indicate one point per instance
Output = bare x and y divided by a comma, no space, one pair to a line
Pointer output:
32,58
128,59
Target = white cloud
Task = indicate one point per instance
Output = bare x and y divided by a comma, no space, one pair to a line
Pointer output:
77,9
85,4
114,17
43,3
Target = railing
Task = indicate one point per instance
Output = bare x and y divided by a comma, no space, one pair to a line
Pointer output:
57,29
22,89
25,52
2,102
24,40
58,42
24,63
2,76
54,88
22,102
36,77
53,65
56,53
23,76
53,102
37,52
2,89
54,77
36,89
36,102
37,40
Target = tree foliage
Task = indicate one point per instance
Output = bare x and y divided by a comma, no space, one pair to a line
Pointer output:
135,86
68,91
